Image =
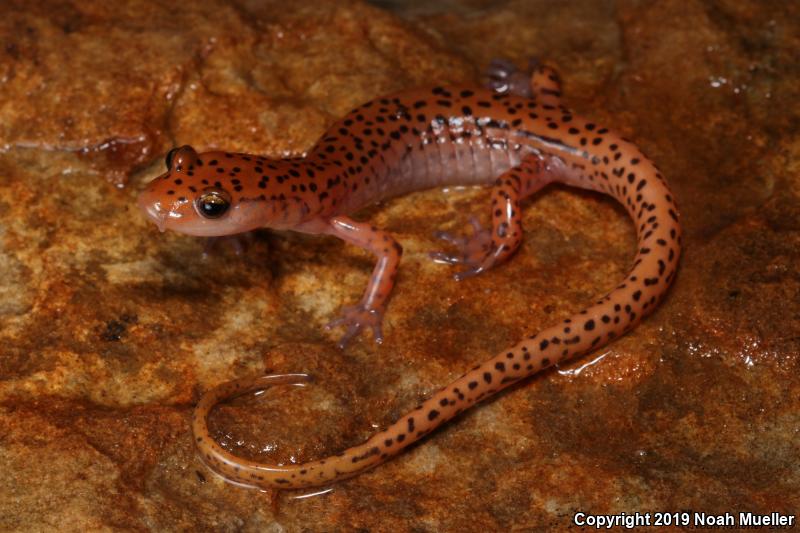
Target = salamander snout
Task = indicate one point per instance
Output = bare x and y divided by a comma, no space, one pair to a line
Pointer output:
167,199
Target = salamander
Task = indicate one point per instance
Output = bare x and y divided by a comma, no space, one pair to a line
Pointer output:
514,134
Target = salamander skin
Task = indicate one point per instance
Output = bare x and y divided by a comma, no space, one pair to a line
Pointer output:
516,136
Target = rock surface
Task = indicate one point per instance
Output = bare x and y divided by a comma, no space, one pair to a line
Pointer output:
110,331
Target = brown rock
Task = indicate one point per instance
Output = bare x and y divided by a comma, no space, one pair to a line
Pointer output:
111,331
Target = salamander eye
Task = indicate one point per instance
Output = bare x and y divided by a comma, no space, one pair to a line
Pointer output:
212,204
170,157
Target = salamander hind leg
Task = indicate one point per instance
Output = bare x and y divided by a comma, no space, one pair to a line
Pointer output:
369,311
503,76
485,248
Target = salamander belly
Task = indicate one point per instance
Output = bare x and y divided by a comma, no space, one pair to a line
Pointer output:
447,157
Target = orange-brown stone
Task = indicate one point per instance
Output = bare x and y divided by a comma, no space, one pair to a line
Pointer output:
110,331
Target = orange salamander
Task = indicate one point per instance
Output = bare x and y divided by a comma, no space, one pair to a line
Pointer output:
514,135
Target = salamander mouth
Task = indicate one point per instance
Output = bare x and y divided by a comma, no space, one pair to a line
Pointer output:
155,213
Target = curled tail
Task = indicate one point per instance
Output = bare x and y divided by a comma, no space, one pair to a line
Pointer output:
641,189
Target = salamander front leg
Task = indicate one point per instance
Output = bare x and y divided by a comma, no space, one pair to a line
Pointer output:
369,311
484,249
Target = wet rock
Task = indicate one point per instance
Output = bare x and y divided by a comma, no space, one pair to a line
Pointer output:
111,331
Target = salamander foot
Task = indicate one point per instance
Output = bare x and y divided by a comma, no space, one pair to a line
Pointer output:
238,242
474,251
356,318
503,76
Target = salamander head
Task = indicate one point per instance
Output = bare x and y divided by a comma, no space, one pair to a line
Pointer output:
207,195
